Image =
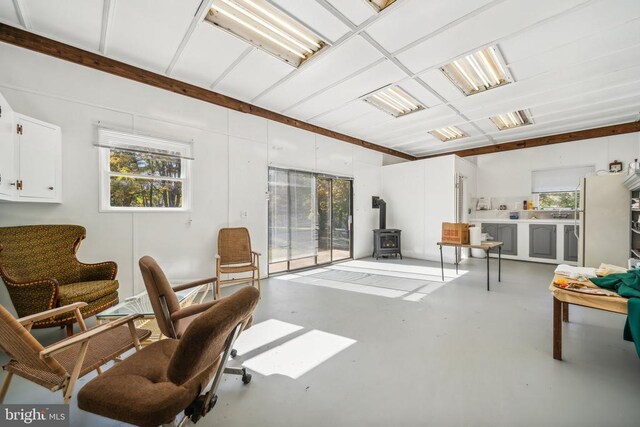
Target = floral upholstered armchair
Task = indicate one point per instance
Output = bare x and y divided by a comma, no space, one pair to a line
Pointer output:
39,267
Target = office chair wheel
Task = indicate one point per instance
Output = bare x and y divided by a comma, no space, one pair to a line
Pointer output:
234,353
246,378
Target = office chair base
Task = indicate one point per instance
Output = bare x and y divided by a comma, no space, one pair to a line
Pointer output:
233,353
246,377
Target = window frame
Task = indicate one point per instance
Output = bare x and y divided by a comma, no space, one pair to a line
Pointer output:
150,144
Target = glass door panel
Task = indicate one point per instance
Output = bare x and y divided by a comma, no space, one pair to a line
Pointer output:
341,219
302,218
323,189
278,220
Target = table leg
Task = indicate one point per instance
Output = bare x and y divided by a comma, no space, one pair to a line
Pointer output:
565,312
456,255
499,263
441,263
557,329
488,250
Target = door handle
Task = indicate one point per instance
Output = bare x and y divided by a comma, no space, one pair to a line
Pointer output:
50,188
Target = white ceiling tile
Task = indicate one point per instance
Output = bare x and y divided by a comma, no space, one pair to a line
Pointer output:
314,16
420,93
492,24
256,72
413,19
346,113
359,125
8,14
437,81
330,67
208,54
79,22
598,46
147,34
356,11
592,20
368,81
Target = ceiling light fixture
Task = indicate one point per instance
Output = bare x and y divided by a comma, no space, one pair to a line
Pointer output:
267,28
380,5
511,120
471,73
448,133
393,100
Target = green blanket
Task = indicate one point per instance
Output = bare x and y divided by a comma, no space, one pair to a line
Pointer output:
626,285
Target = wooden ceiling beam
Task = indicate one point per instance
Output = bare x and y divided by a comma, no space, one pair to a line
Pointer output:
545,140
37,43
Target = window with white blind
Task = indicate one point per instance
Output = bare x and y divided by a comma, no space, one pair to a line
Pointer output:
557,188
140,172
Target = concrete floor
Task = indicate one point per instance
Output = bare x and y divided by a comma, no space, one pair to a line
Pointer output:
369,349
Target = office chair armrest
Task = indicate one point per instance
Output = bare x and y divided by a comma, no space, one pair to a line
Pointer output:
86,335
192,310
27,320
195,283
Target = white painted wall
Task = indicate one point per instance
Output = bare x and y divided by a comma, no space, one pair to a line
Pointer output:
508,174
420,197
232,150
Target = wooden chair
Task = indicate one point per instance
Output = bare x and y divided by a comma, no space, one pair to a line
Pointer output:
235,256
170,377
39,267
59,365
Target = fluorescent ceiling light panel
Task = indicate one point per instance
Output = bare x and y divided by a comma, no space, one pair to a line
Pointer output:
266,27
395,101
380,5
482,70
448,134
511,120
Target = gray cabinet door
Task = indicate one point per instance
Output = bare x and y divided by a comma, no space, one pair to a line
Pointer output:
508,235
570,244
542,241
491,229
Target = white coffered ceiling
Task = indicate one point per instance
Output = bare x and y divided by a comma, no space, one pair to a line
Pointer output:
576,63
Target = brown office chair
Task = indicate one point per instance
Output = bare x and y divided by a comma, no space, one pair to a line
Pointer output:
172,319
38,265
169,376
235,256
59,365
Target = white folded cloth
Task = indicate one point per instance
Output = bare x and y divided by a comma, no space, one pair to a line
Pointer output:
574,272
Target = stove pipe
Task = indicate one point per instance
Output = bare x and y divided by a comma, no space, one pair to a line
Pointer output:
383,214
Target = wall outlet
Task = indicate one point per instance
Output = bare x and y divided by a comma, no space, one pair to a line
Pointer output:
244,214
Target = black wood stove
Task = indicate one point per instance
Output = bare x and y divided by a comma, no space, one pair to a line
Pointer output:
385,241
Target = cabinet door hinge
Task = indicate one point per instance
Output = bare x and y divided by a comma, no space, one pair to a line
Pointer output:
19,184
19,129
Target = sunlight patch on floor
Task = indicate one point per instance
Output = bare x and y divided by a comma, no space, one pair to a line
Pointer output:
263,333
353,287
299,355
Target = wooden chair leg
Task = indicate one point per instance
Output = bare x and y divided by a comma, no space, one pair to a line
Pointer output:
69,329
68,390
5,386
258,265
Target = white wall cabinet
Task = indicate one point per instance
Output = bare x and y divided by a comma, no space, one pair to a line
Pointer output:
30,158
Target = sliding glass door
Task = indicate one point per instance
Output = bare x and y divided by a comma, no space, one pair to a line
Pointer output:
310,219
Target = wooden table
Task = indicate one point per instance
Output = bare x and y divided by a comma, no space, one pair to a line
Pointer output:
561,300
485,246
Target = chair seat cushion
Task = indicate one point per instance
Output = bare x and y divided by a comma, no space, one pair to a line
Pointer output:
150,398
86,291
225,269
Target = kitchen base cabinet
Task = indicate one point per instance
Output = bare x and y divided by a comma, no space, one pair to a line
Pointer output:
505,233
570,244
542,241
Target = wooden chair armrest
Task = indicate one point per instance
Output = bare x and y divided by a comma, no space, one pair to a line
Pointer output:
86,335
50,313
193,284
256,253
